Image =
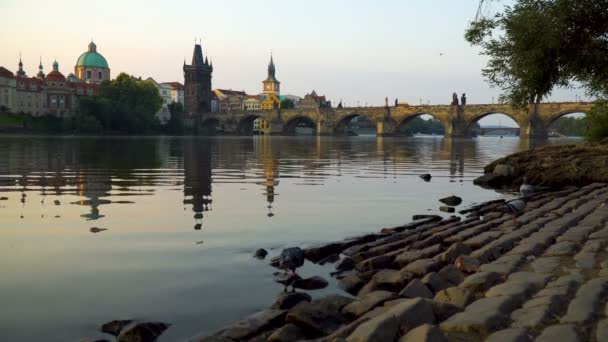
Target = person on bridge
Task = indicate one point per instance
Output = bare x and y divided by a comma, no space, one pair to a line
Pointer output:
455,99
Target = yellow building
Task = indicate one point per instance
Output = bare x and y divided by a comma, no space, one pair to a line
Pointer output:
270,101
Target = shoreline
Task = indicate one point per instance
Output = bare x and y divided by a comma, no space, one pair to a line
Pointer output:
471,278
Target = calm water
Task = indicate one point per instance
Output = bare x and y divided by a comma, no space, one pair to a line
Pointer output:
183,216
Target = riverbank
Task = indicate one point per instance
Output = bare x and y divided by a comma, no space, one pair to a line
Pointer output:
480,277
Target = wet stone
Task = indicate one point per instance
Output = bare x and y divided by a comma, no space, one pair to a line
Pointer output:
345,264
416,288
421,267
454,251
114,327
480,281
380,328
287,333
142,332
424,333
287,300
451,274
455,296
366,303
321,316
434,282
312,283
351,283
510,335
560,333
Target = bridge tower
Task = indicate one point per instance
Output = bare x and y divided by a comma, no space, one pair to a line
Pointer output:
197,83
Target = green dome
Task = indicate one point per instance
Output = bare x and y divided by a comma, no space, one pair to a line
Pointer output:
92,59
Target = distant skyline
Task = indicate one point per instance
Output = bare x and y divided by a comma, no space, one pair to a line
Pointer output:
349,50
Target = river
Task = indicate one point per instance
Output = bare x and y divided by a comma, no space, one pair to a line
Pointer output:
184,215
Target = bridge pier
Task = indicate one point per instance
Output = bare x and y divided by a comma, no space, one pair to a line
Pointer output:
385,128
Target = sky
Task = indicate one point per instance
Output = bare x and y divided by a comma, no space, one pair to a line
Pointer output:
357,51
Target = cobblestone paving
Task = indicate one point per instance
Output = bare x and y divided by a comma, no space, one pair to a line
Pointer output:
543,277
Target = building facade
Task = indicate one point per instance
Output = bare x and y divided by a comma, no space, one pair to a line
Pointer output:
164,90
177,92
197,83
253,103
8,86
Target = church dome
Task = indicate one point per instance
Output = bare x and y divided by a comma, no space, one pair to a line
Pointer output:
92,58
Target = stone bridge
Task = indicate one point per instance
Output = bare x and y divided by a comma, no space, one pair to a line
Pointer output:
457,120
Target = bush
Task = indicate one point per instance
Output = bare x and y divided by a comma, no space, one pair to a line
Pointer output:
598,121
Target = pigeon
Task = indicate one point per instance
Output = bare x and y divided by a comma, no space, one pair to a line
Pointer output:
515,207
289,260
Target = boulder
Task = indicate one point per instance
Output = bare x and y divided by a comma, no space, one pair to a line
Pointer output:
330,259
254,324
366,303
345,264
114,327
467,264
415,289
455,296
452,201
504,170
451,274
453,252
142,332
378,329
287,333
434,282
421,267
321,316
287,300
260,253
351,282
426,177
312,283
424,333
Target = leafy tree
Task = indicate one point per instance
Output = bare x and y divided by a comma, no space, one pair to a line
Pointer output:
287,104
176,121
598,122
536,45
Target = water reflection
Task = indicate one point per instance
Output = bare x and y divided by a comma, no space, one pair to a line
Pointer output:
184,214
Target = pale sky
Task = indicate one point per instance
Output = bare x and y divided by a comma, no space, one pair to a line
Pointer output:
354,50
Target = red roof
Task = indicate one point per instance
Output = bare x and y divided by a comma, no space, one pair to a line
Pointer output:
55,76
6,73
27,82
175,85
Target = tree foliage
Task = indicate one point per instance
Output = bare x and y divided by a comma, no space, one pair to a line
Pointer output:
176,122
571,126
420,126
536,45
287,104
598,122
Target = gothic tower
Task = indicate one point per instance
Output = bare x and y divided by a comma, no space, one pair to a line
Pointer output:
271,84
197,83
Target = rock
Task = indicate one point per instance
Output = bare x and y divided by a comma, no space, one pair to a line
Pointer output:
510,335
254,324
375,263
426,177
287,333
583,307
561,333
481,323
378,329
504,170
57,202
3,198
330,259
453,252
286,278
391,280
345,264
452,201
351,283
260,253
421,267
142,332
93,340
480,281
321,316
415,289
447,209
97,230
467,264
424,333
423,217
411,313
366,303
602,330
451,274
444,310
114,327
434,282
455,296
287,300
312,283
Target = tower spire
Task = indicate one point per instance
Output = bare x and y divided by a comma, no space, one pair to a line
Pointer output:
20,72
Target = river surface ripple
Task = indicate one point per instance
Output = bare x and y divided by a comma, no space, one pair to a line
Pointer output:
184,215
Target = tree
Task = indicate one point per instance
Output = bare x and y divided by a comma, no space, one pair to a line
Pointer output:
287,104
176,121
536,45
598,122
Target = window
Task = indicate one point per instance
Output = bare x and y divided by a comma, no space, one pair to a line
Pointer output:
53,101
61,101
21,86
33,87
89,74
99,75
164,92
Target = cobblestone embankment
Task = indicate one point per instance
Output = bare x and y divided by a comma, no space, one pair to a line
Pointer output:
485,277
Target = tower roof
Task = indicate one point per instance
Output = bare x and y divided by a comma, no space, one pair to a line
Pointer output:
197,56
271,71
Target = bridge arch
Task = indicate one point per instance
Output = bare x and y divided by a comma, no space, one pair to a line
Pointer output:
468,129
245,124
554,117
401,123
290,125
343,122
210,126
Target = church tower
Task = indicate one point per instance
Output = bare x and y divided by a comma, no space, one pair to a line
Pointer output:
197,83
271,84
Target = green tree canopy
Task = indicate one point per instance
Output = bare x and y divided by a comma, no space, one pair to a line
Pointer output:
535,45
287,104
